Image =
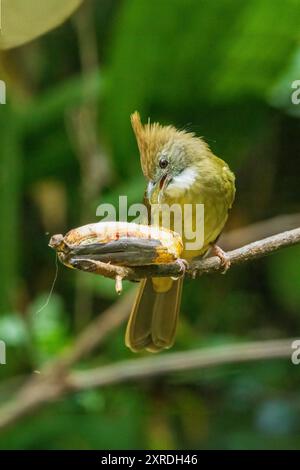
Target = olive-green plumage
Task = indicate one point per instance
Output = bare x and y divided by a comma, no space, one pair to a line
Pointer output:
180,169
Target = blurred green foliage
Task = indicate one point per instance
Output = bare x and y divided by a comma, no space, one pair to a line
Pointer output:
224,69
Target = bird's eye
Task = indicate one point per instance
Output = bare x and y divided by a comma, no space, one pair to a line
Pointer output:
163,163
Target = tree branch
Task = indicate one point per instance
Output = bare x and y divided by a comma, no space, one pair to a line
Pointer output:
213,264
181,361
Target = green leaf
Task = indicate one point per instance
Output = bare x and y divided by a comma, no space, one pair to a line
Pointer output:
23,21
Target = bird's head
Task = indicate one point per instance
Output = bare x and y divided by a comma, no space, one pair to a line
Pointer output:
169,157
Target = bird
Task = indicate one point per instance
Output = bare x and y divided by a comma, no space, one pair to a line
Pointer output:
180,169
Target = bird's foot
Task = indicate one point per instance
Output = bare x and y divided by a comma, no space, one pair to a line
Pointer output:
183,264
222,255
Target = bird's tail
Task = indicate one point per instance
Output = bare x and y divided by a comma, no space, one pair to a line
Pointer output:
153,320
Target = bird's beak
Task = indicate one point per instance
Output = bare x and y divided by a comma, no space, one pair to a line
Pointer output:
155,189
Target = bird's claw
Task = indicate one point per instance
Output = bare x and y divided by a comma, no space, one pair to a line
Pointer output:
223,257
183,264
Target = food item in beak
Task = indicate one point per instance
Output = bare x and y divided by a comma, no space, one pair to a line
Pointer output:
163,183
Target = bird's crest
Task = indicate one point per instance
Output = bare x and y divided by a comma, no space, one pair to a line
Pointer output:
151,138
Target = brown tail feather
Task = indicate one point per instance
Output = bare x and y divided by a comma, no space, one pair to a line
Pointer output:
153,320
